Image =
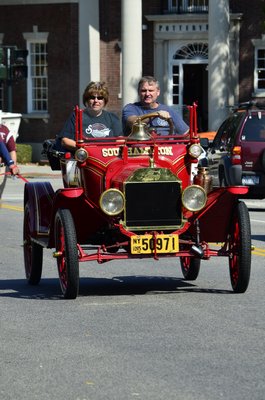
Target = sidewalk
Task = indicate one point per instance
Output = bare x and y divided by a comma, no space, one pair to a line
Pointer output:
37,170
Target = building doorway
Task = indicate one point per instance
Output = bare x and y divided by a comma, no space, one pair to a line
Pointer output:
195,89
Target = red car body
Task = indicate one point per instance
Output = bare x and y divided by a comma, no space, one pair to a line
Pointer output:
146,176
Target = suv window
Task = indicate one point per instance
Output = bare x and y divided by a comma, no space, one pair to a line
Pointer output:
235,122
227,131
254,129
221,135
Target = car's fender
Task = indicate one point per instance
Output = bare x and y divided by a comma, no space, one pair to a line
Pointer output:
39,197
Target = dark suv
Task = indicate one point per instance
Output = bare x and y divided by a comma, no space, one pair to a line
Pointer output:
237,153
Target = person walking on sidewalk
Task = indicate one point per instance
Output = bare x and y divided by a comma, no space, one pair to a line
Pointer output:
4,154
9,141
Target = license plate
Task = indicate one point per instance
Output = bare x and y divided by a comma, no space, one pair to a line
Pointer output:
147,244
250,180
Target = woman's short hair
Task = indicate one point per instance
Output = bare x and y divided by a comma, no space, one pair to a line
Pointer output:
96,88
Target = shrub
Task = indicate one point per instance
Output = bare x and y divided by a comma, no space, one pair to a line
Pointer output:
24,153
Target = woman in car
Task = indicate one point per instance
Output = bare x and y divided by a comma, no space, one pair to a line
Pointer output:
97,122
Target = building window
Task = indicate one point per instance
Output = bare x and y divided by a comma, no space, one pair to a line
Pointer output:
1,96
192,51
1,81
37,71
38,78
259,71
175,79
188,6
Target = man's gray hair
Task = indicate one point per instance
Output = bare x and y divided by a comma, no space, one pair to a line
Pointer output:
148,79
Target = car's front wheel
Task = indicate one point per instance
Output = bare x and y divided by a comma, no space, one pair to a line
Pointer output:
240,249
67,253
190,267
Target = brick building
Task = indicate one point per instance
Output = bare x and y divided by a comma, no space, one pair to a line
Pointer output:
73,42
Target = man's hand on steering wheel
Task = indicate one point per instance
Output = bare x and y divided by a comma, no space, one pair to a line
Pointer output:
160,114
163,114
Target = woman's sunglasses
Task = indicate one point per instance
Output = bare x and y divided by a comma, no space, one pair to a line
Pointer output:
96,97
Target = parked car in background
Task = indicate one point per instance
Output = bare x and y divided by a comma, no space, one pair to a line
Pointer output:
237,153
210,135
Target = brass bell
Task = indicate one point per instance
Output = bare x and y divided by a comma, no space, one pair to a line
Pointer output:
139,131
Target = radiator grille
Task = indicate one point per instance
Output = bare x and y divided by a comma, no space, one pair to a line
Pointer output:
153,204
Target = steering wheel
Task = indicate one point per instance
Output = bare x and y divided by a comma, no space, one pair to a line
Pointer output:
154,115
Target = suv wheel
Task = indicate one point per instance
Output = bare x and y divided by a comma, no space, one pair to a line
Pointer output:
263,160
222,178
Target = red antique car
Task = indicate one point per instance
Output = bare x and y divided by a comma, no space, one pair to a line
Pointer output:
135,197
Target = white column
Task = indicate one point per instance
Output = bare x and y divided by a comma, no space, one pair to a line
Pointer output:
131,35
234,62
159,70
89,44
161,52
158,56
218,62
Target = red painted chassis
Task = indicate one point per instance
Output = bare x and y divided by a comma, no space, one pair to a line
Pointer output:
71,219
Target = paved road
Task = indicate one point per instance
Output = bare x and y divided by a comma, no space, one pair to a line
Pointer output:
136,331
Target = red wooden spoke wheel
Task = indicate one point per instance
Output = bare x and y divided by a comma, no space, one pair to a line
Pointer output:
67,253
190,267
240,249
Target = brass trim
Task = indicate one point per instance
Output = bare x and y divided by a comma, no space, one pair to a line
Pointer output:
198,187
101,200
153,228
81,149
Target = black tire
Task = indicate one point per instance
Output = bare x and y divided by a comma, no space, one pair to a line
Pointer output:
222,178
190,267
240,249
33,252
263,160
67,262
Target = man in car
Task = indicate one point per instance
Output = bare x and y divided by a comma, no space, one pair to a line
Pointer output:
148,92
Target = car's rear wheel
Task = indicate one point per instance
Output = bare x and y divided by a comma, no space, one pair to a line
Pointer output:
240,249
67,253
33,252
190,267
